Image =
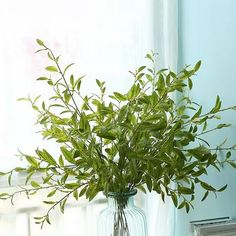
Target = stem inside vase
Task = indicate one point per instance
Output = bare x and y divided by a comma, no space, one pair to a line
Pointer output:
120,221
121,227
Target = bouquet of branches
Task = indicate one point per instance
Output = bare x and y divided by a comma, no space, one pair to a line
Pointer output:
143,139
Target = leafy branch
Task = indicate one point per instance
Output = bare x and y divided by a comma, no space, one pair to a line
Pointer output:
62,201
142,138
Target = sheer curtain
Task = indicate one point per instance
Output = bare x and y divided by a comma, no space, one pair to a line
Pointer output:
161,216
104,38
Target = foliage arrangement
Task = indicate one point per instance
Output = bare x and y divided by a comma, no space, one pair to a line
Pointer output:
142,139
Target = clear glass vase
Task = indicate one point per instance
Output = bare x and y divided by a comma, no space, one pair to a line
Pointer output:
122,217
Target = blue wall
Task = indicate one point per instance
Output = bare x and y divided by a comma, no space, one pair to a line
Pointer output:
207,31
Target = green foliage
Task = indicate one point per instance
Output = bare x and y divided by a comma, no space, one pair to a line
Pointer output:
141,139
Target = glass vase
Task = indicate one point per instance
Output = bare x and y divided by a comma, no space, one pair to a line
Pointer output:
122,217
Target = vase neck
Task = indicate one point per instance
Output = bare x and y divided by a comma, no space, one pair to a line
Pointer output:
123,200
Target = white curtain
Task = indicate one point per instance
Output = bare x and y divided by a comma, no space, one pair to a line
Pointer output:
104,38
161,216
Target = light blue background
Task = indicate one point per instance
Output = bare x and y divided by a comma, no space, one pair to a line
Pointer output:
207,31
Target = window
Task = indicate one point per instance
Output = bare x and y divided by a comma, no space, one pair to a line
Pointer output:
104,38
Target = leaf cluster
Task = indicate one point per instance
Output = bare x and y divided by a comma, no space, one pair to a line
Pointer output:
142,139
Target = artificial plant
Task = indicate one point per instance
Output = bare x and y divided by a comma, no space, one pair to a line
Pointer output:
144,138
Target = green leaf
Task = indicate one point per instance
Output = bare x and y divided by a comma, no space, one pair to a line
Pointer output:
23,99
72,185
42,78
61,161
47,178
91,191
50,56
40,50
46,156
43,106
148,181
99,83
51,69
204,126
106,134
185,190
199,152
64,178
78,85
84,123
18,169
197,66
181,205
29,177
187,207
232,163
149,77
161,84
207,186
75,194
67,96
82,191
35,100
47,219
52,193
35,184
205,195
68,67
223,188
4,196
190,83
72,80
197,114
119,96
2,173
40,42
9,178
68,155
220,126
141,68
62,205
32,161
49,202
139,76
50,82
217,106
93,194
163,196
57,59
133,92
38,217
174,199
228,155
149,56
